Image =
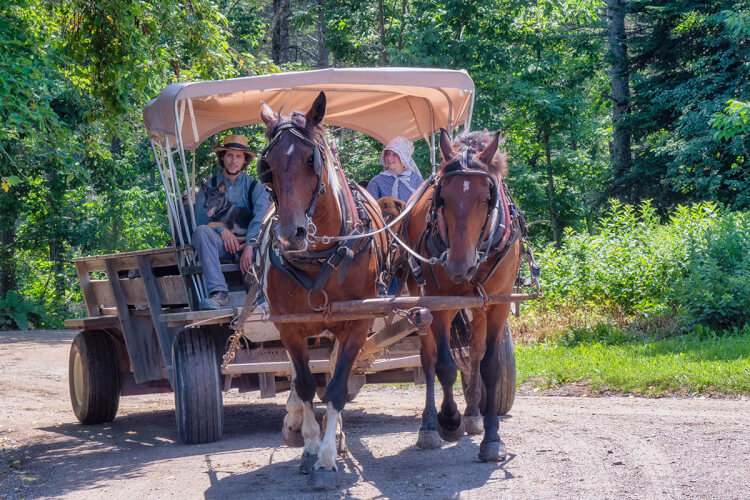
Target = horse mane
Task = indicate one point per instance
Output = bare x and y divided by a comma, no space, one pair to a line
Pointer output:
478,141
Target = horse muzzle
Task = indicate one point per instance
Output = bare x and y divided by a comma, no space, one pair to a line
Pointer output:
460,272
292,238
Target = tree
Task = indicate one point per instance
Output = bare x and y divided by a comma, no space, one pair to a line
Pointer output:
688,60
618,56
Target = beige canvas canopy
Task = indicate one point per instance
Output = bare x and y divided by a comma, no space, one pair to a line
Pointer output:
380,102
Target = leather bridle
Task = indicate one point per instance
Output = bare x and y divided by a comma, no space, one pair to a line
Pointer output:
464,165
264,169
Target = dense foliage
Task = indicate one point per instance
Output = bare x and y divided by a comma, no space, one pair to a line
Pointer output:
77,178
695,265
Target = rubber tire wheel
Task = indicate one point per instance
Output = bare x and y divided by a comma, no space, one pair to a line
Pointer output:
506,387
94,378
197,387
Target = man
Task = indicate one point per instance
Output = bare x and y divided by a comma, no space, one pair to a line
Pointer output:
213,244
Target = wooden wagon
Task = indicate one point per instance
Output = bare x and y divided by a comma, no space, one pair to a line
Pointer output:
144,333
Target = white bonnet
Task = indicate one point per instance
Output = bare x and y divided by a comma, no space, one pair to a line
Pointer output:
404,148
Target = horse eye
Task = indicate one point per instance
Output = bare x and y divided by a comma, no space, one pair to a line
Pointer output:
311,160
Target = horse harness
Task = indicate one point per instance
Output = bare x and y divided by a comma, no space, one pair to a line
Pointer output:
355,221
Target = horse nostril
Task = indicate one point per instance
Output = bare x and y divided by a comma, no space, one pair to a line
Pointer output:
470,272
300,234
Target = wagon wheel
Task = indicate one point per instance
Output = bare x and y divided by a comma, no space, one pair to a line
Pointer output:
94,377
506,387
197,389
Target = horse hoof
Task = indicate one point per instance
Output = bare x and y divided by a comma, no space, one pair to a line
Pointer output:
307,463
323,480
293,439
450,429
429,440
473,425
493,451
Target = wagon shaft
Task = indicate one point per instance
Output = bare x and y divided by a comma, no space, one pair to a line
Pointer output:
367,308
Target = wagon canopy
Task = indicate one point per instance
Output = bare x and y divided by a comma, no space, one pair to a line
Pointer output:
380,102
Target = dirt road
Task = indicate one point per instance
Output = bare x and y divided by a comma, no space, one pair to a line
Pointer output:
561,447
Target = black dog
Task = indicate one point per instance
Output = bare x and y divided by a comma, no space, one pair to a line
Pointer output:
222,211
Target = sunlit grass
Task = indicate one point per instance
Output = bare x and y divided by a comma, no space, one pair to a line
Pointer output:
684,365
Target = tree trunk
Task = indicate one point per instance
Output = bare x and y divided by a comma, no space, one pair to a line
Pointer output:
381,22
280,40
620,74
551,190
56,202
401,26
322,49
7,247
57,256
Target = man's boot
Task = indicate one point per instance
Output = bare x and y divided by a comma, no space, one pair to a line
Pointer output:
216,300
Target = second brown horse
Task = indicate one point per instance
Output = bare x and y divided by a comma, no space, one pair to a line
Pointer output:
463,220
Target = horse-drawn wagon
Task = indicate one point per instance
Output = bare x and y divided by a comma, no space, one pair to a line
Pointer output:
144,332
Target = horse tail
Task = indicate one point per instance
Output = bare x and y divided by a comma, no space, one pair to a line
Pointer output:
461,329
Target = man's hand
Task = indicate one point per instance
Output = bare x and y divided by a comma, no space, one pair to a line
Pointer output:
246,260
231,243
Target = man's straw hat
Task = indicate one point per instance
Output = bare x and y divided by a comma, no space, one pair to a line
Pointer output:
236,143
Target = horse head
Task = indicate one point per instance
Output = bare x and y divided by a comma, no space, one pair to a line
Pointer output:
293,164
466,200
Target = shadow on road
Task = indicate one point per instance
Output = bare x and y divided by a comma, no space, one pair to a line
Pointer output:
442,473
48,337
124,448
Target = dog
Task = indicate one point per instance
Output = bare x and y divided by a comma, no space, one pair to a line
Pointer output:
391,208
222,211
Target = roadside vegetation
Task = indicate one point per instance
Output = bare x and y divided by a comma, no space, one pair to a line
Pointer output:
641,306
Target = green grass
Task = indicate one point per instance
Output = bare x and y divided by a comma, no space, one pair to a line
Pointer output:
683,365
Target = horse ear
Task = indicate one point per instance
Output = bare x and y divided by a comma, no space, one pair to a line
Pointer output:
317,112
446,148
400,204
267,115
223,187
488,154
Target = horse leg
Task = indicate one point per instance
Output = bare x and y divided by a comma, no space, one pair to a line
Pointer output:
304,386
340,436
473,394
351,336
449,423
291,432
492,447
429,438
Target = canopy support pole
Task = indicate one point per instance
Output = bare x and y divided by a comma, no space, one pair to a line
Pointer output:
189,256
171,211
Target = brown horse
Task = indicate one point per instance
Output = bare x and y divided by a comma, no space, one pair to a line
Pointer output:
302,270
461,220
